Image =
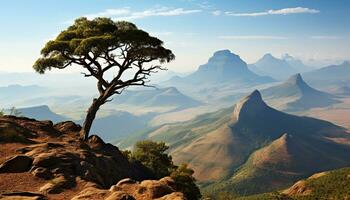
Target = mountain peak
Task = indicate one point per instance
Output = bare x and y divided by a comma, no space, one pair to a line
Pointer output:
249,106
296,80
225,56
268,56
224,52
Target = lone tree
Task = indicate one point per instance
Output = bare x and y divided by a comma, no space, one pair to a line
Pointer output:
102,46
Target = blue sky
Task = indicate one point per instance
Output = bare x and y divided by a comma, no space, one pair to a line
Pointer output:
193,29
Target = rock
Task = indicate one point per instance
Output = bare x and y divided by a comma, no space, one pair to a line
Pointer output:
156,189
42,173
126,181
22,196
46,160
120,196
57,185
173,196
16,164
67,126
96,142
91,193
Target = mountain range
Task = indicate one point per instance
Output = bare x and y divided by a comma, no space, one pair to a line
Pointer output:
224,67
251,147
330,76
42,112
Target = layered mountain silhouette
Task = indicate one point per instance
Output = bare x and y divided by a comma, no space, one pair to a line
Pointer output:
223,67
157,97
42,112
269,65
330,76
295,95
254,147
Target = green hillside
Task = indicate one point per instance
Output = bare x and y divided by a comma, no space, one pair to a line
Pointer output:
327,185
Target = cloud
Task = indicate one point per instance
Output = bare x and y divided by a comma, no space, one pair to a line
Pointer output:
325,37
216,12
284,11
127,14
252,37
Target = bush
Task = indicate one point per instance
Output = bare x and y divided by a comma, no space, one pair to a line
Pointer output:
183,177
153,156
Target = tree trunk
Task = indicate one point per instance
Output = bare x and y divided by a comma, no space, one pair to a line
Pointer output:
90,116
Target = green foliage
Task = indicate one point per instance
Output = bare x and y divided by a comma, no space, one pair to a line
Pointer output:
183,177
97,37
153,155
2,112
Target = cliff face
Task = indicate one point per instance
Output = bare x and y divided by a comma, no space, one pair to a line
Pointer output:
40,160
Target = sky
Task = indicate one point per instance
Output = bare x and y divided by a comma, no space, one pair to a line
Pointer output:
316,31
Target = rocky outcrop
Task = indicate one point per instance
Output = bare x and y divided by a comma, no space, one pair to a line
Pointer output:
66,165
128,189
18,163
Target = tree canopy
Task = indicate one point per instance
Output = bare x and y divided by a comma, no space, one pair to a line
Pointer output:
102,46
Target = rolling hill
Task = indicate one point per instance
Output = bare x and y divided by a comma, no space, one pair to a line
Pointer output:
156,98
333,184
229,144
295,95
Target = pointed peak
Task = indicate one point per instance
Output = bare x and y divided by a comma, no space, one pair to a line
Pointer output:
249,106
296,79
171,90
255,95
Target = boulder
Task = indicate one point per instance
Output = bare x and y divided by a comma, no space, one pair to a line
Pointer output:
57,185
21,196
67,127
42,173
119,195
91,193
126,181
155,189
16,164
173,196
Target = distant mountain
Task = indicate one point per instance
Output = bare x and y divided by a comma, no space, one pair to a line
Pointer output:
295,95
41,113
252,147
297,64
119,125
156,98
330,76
223,67
20,91
341,90
268,65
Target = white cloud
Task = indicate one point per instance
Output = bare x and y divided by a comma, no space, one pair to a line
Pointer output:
127,14
325,37
252,37
216,12
284,11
